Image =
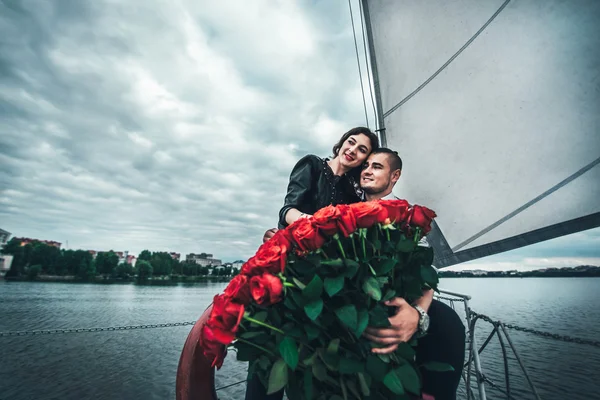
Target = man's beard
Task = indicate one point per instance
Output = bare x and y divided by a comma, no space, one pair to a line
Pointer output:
374,190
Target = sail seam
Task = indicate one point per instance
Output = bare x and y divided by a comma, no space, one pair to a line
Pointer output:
529,204
436,73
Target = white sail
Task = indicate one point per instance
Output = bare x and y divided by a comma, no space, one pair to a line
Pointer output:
501,139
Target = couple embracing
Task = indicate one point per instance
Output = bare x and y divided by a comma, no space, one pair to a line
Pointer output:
360,170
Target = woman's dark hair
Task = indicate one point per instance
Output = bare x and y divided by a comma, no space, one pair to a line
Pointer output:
357,131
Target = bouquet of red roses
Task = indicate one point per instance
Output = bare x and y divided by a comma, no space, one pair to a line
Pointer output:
298,309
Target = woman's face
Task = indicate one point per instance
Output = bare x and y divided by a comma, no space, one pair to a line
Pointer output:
355,151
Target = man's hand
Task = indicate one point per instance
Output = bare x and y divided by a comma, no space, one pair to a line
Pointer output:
269,234
404,325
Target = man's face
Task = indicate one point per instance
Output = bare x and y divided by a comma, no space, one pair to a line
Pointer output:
376,175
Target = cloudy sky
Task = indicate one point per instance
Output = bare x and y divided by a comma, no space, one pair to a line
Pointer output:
173,125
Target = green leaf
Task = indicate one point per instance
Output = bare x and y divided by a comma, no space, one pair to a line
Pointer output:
405,245
429,275
308,383
344,389
378,317
362,323
251,334
278,377
376,368
295,332
310,360
353,388
393,381
385,266
410,379
371,287
389,295
437,366
289,352
313,309
384,357
297,297
351,269
334,346
351,366
246,352
347,314
405,351
319,371
289,303
377,244
364,386
334,285
299,283
372,270
337,262
314,289
312,331
260,316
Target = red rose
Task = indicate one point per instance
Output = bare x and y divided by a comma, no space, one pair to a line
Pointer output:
266,289
270,257
225,319
368,213
421,217
211,348
305,235
326,220
238,289
397,210
347,221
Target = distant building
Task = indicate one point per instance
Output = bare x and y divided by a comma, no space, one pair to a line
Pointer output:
26,241
4,235
202,259
5,263
175,256
237,264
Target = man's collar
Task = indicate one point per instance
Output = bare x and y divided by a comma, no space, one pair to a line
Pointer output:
389,196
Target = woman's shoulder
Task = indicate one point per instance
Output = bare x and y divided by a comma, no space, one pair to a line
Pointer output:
311,160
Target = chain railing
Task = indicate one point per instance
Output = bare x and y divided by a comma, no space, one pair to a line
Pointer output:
102,329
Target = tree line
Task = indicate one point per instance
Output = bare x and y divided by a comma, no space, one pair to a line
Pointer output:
38,258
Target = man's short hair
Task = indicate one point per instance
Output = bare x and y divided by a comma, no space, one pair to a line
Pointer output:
393,157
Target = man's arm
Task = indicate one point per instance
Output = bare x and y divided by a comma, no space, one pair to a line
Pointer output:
404,323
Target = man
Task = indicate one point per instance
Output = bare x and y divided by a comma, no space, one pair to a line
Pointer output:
440,332
444,339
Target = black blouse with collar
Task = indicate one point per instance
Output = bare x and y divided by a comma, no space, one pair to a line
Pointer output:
313,185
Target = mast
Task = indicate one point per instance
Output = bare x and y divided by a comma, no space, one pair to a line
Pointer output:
373,61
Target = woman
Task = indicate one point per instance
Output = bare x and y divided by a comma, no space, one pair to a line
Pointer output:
316,183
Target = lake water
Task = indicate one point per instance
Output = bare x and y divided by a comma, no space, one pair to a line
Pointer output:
141,364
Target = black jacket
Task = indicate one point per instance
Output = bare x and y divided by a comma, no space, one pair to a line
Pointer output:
313,186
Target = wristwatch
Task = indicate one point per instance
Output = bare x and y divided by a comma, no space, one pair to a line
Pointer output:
423,322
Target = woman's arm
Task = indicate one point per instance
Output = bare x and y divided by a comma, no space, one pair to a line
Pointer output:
298,192
292,215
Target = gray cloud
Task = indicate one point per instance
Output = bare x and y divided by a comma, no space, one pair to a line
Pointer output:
169,126
165,126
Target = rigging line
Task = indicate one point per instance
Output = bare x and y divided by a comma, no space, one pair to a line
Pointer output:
432,77
362,24
528,204
358,62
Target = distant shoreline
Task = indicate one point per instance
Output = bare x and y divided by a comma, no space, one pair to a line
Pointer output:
582,271
103,281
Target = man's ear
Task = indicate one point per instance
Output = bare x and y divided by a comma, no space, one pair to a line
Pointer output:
396,176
